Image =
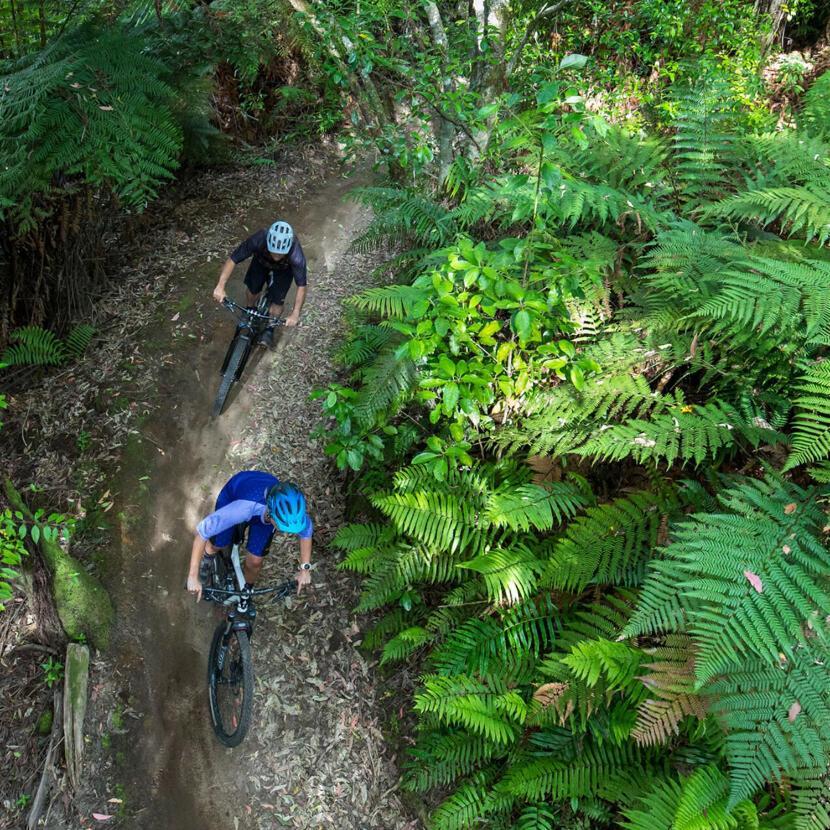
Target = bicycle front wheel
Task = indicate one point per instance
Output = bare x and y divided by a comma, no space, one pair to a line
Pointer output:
234,362
230,684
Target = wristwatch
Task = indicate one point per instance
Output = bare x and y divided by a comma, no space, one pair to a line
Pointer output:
305,566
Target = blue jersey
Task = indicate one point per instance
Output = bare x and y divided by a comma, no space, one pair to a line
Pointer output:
242,502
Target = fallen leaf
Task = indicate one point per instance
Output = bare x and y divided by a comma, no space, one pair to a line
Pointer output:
791,508
795,709
105,109
755,581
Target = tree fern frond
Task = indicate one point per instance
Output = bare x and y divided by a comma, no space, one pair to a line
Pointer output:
437,519
387,380
611,543
404,644
815,114
402,214
509,575
399,301
811,425
463,701
777,720
742,580
800,211
438,759
696,436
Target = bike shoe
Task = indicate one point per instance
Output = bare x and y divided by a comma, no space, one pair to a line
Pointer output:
266,339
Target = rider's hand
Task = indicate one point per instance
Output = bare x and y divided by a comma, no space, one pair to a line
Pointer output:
219,294
194,585
291,321
303,578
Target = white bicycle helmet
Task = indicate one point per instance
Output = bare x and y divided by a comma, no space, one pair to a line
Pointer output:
280,236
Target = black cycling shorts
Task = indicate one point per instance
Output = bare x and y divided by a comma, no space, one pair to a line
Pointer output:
258,276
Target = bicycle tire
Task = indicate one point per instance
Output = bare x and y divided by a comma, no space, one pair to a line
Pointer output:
229,377
229,671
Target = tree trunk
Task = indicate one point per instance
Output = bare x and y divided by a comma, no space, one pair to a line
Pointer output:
445,134
15,28
357,83
41,16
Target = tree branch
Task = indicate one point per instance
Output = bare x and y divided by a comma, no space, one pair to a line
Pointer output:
545,11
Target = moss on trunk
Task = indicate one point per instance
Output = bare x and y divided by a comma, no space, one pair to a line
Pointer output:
82,603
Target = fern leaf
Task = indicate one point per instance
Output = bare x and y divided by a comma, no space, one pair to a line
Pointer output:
811,424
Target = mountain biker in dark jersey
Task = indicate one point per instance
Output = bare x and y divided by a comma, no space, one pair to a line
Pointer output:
260,503
275,249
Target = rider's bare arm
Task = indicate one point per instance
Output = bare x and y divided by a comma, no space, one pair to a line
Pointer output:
304,577
224,276
194,585
294,317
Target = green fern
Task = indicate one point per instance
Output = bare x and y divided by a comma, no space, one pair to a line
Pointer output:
800,211
704,141
811,424
463,701
440,758
92,104
401,214
777,720
701,435
34,346
536,817
611,543
742,580
387,379
815,114
404,644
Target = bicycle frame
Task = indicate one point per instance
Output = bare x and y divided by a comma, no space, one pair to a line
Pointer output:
249,328
239,600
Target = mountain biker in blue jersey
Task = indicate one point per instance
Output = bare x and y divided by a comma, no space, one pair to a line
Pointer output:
262,504
271,250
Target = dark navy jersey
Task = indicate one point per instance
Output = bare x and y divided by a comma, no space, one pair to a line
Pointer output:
255,246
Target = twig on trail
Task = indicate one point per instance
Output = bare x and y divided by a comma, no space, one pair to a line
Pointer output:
35,647
154,443
55,738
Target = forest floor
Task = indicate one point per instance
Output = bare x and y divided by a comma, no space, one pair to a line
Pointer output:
316,756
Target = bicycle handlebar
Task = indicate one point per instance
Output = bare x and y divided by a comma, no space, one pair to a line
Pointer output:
254,592
232,306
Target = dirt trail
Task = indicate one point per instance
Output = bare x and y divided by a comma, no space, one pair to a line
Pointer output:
315,755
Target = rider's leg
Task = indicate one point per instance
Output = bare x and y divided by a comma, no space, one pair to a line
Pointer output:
255,280
277,291
252,567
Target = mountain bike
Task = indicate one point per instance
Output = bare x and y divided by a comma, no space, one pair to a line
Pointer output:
251,325
230,673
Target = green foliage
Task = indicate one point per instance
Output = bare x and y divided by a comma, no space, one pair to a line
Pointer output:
34,346
630,630
815,114
94,107
52,671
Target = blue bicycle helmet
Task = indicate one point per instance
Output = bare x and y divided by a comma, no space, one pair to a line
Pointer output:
286,505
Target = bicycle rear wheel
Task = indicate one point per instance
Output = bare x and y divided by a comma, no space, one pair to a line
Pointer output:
230,684
229,377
